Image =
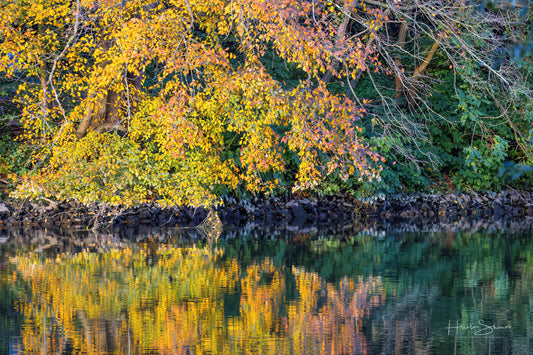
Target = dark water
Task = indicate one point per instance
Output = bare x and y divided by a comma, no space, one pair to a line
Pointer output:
403,291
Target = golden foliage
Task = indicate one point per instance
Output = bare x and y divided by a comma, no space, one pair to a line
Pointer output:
211,118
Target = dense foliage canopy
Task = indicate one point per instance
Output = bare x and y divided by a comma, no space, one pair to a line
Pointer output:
185,101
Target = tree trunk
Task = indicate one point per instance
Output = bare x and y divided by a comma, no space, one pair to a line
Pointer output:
353,82
411,90
398,64
341,34
102,111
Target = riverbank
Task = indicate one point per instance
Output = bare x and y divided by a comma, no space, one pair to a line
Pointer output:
298,213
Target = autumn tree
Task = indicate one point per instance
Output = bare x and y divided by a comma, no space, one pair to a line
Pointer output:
211,118
174,101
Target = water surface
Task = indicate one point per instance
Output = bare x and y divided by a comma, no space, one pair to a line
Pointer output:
410,291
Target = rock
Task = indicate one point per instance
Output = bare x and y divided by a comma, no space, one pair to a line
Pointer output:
299,213
333,216
12,221
132,220
4,211
291,203
145,214
284,214
304,201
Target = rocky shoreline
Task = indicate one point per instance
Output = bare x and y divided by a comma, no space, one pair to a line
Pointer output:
291,212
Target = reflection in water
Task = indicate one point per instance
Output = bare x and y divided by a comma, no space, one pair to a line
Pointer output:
173,300
403,293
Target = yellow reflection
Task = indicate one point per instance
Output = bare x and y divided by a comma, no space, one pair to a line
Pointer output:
175,301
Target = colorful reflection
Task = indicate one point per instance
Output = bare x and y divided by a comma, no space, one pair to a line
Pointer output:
173,300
